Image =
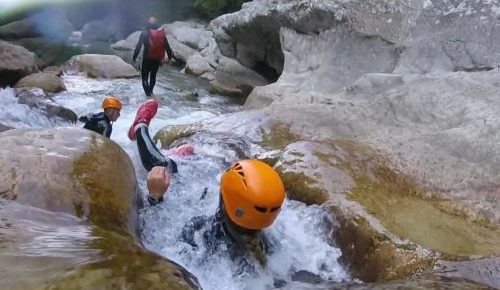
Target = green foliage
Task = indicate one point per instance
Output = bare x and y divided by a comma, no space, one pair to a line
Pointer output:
214,8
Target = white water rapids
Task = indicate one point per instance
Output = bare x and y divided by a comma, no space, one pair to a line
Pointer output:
301,231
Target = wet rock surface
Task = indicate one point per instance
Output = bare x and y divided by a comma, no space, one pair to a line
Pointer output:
47,81
101,66
15,63
69,219
37,99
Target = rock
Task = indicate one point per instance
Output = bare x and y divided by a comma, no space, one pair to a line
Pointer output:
423,282
55,70
306,174
197,65
38,99
101,66
316,174
49,23
4,127
15,63
234,147
47,81
69,219
484,271
375,207
129,43
313,62
99,31
48,52
180,50
349,39
231,78
72,174
191,34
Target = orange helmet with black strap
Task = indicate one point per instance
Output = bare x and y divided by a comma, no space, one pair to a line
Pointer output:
252,194
111,102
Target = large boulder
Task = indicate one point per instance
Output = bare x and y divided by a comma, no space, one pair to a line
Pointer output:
37,99
49,23
99,31
191,34
101,66
375,208
70,217
46,81
129,43
47,51
232,78
197,65
73,174
333,43
15,63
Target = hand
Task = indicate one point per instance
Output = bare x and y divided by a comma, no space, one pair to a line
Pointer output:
158,181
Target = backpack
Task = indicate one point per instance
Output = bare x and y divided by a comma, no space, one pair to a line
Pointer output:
156,49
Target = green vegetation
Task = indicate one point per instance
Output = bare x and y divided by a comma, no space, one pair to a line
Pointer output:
213,8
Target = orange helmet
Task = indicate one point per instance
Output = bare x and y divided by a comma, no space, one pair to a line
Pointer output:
252,194
111,102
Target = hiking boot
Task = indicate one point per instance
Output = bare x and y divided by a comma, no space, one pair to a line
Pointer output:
145,113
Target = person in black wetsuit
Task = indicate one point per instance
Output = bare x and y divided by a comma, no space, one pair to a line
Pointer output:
155,44
101,122
251,196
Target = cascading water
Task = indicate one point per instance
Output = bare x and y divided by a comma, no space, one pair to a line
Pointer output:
300,231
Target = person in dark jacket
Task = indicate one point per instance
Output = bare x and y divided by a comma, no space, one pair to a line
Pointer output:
101,122
155,43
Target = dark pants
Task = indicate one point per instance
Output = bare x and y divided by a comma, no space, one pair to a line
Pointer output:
149,70
150,155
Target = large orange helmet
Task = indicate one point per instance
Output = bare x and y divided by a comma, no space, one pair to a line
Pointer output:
111,102
252,194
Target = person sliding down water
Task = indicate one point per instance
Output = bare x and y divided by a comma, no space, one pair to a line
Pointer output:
250,199
159,166
101,122
155,45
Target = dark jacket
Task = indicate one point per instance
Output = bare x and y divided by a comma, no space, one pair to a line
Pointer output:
144,41
215,238
98,123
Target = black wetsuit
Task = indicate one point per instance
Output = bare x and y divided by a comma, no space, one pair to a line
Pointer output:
149,67
151,156
217,237
98,123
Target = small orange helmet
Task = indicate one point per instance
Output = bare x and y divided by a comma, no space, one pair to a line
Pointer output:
252,194
111,102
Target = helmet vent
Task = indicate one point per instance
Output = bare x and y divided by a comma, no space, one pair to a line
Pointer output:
260,209
275,208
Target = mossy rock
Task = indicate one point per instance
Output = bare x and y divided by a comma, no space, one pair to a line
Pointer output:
390,208
307,177
68,216
69,170
371,255
169,134
60,251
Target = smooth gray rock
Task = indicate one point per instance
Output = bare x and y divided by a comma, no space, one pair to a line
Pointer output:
15,63
37,99
101,66
46,81
198,65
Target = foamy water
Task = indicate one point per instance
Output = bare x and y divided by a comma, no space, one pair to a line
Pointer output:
300,231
